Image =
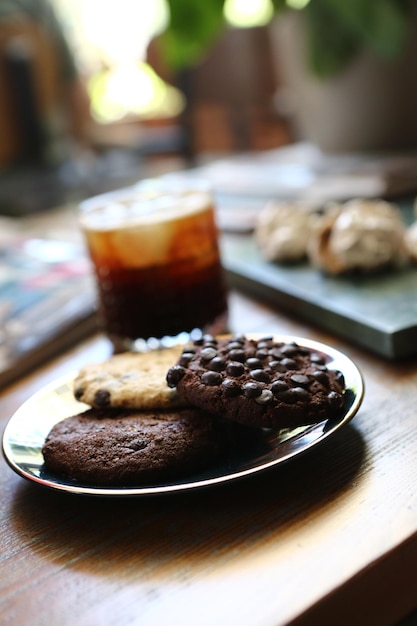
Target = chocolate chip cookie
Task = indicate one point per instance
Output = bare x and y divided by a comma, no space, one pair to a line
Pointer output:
121,448
260,383
130,381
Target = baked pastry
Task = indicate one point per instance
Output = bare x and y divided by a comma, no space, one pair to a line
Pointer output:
259,383
282,231
360,235
410,238
129,447
129,380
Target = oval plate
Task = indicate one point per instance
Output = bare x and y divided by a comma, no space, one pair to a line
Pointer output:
26,431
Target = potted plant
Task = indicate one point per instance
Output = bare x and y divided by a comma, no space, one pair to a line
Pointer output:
349,65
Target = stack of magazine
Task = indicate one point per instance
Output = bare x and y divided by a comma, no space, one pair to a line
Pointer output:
47,299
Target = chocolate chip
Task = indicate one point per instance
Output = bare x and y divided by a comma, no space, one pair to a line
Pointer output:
322,377
237,355
174,375
218,364
293,395
301,394
234,368
137,444
289,364
277,366
231,388
186,357
278,386
290,349
252,390
240,339
263,345
315,357
276,353
208,353
260,375
234,345
265,398
254,363
335,400
78,393
340,378
209,339
288,396
300,379
262,354
211,378
102,398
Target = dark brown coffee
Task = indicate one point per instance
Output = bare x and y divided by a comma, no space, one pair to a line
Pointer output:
158,267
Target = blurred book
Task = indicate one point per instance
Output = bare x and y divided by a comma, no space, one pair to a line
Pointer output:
47,301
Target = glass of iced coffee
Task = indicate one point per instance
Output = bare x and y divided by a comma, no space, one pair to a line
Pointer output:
155,253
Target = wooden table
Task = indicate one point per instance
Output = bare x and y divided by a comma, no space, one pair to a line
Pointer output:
328,538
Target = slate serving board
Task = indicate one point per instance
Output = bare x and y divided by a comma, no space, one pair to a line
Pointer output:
376,312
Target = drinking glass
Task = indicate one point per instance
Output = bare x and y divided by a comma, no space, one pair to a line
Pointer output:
155,253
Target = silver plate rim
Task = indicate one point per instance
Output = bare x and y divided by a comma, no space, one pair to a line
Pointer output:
19,430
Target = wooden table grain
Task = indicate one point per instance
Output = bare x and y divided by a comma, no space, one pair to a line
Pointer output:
327,538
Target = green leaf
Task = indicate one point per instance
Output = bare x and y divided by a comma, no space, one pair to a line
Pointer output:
279,5
388,29
330,43
193,27
338,29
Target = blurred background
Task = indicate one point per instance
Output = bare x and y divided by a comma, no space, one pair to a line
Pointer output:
88,98
94,94
270,99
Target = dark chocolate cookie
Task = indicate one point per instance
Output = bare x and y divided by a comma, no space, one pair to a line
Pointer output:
258,382
120,447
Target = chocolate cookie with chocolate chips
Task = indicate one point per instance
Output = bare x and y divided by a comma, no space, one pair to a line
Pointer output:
260,383
120,447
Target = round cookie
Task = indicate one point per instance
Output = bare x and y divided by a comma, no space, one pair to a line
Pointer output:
258,382
129,447
358,236
411,241
283,230
130,380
